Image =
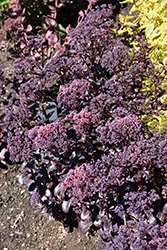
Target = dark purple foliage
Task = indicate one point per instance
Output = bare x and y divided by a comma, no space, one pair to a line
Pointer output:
75,124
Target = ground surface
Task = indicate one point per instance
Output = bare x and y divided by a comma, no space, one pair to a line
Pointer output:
21,225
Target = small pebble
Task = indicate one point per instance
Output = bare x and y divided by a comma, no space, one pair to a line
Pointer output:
28,235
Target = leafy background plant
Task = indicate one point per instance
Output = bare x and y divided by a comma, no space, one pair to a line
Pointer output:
4,4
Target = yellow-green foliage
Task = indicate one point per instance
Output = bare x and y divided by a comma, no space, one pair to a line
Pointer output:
152,17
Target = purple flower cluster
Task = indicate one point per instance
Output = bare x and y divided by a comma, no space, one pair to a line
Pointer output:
85,182
75,94
93,36
51,136
120,131
83,120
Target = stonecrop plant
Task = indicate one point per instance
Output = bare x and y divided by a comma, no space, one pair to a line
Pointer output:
74,122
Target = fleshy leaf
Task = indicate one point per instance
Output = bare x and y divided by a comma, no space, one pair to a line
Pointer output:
84,226
57,189
30,185
66,206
